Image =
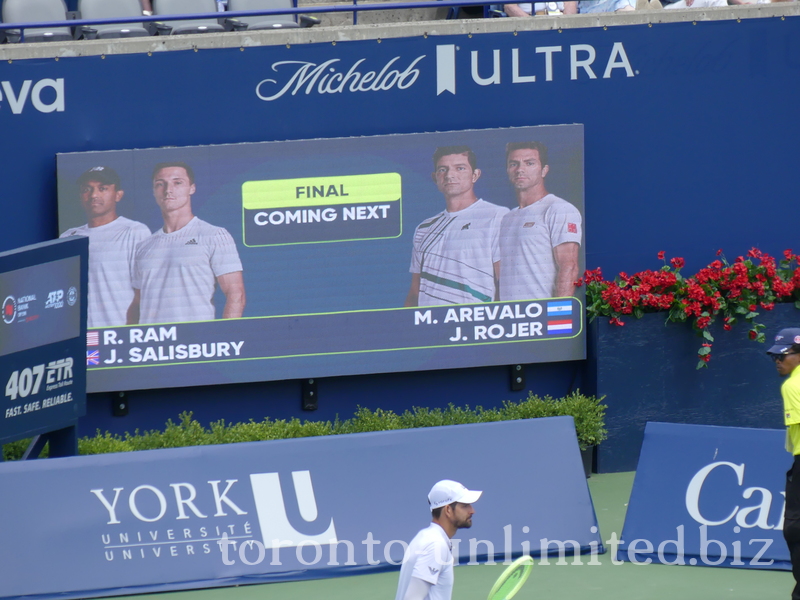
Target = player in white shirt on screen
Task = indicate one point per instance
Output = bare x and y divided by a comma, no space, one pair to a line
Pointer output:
177,269
539,240
427,570
455,257
112,245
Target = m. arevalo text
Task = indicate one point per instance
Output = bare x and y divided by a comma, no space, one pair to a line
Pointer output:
494,312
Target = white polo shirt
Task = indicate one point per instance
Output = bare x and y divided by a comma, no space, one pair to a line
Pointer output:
429,557
528,235
177,272
111,250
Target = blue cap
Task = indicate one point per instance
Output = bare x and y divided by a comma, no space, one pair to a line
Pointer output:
785,339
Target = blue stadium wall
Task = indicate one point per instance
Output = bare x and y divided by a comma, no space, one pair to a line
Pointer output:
691,133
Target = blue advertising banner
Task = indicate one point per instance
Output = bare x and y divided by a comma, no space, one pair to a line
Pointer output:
42,368
708,496
286,260
283,510
600,77
658,171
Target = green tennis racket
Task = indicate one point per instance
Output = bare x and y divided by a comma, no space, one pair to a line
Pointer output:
512,579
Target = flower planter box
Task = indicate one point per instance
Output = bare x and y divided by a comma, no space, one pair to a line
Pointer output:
647,371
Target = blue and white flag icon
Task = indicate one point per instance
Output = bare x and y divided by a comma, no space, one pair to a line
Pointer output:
559,308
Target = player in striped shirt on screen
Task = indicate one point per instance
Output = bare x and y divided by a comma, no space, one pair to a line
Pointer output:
540,240
455,257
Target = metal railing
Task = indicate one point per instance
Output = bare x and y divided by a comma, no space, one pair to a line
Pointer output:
355,8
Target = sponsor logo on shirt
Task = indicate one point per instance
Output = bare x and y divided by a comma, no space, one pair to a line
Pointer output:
191,242
433,571
572,228
466,226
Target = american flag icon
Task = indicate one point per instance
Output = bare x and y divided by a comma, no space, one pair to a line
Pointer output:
92,338
92,357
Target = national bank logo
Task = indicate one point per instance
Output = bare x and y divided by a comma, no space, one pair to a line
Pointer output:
150,522
527,65
9,310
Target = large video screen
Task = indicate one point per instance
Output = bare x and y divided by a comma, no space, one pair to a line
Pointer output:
313,258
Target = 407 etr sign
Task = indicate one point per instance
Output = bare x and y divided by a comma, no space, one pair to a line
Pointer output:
37,386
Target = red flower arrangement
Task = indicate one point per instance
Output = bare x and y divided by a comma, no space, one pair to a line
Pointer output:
731,291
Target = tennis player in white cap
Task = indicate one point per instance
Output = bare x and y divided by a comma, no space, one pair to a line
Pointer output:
427,571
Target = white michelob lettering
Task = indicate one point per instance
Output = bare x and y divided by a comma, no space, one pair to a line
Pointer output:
324,78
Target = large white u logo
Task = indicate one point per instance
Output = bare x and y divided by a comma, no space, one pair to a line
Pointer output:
276,530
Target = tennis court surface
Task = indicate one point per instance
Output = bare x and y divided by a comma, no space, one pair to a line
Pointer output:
605,581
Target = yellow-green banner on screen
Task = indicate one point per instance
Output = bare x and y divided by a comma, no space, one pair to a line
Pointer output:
321,191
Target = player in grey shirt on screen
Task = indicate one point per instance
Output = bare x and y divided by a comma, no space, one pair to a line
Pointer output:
177,269
540,240
112,244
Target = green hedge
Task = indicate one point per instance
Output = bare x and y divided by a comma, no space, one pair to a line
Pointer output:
587,411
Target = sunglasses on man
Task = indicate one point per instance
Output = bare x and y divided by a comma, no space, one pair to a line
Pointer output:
780,357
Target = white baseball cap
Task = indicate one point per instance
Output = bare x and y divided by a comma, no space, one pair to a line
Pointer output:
447,491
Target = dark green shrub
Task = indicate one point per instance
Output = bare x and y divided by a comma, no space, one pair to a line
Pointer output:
587,411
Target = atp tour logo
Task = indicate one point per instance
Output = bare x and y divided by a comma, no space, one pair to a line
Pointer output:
9,310
189,519
526,65
55,299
